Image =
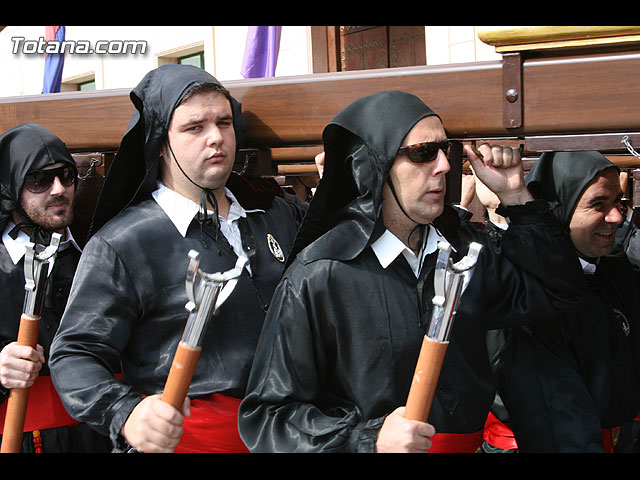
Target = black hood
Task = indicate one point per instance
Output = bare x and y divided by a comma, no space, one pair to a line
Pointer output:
25,148
360,144
561,177
134,171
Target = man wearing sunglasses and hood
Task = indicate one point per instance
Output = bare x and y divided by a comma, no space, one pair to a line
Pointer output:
38,178
170,190
341,339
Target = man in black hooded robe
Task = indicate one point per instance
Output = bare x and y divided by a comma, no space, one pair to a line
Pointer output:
568,384
38,178
342,335
165,195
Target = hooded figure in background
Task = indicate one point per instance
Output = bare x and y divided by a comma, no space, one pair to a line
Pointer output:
23,149
568,383
171,190
38,178
342,336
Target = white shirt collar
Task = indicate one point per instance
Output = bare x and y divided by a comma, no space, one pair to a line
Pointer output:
16,248
182,210
587,267
388,247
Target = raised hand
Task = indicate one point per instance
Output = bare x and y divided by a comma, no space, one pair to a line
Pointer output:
500,169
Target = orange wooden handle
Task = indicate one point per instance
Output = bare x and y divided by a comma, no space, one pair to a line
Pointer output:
28,331
425,379
19,397
180,375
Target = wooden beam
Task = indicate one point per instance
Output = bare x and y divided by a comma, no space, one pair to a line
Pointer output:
593,94
85,121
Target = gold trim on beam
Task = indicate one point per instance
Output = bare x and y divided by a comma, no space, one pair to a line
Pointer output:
512,39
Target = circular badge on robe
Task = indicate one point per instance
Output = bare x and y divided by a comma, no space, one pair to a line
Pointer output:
274,246
624,322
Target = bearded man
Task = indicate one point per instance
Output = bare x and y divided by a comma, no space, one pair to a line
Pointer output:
38,178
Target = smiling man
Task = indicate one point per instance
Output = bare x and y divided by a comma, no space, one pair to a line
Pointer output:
170,190
38,180
567,384
342,335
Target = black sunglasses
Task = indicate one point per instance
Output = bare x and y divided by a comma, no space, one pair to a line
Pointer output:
425,152
41,181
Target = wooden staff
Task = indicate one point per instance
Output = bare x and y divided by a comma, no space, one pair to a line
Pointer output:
449,280
204,301
425,379
180,375
36,268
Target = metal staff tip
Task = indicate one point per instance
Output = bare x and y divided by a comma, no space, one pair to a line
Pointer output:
448,285
36,269
206,292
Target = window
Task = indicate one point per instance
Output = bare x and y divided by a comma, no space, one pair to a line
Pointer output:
83,82
87,86
196,59
192,54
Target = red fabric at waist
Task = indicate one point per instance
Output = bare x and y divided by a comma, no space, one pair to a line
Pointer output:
498,434
212,427
456,442
44,409
501,436
610,438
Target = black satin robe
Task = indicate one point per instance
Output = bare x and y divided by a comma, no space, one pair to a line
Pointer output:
563,381
78,438
127,306
342,338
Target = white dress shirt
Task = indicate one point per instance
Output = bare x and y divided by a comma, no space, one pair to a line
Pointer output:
181,211
17,249
388,247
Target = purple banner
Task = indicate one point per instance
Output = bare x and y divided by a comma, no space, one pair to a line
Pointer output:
261,52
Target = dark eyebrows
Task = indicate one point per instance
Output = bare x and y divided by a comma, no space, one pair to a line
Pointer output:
197,120
601,198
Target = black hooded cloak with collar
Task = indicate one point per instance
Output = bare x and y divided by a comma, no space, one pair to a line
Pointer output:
26,148
358,157
561,177
564,380
342,334
127,304
135,169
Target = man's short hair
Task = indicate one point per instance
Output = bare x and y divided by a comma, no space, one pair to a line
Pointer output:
206,88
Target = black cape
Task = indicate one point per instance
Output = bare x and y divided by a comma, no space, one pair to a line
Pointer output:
127,308
562,381
342,335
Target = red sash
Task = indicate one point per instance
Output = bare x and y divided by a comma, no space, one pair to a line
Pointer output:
44,409
456,442
498,434
212,427
501,436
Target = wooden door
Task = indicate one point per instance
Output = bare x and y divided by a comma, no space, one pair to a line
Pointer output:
370,47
